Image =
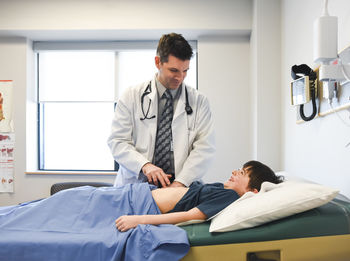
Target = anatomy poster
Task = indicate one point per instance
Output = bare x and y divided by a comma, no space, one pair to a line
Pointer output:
7,144
6,102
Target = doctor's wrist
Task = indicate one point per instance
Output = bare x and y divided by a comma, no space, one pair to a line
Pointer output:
145,166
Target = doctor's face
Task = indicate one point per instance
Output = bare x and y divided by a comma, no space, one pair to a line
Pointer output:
239,182
172,73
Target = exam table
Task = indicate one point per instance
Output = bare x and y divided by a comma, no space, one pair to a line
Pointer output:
318,234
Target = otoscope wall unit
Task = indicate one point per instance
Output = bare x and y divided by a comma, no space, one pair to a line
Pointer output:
333,87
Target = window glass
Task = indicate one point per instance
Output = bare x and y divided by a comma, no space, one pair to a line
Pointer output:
135,67
76,76
75,136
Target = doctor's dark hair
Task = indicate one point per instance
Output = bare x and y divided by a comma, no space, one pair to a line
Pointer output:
175,45
258,173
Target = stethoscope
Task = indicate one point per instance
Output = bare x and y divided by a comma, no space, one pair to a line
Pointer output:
147,91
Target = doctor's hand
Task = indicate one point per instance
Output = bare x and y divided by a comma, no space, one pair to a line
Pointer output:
156,175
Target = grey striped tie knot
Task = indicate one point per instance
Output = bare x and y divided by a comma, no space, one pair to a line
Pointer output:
162,153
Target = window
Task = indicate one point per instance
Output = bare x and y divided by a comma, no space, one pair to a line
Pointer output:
77,91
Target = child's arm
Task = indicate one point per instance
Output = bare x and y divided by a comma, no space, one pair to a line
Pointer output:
124,223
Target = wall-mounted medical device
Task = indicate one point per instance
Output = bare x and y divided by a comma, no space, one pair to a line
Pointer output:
303,89
333,73
333,68
300,90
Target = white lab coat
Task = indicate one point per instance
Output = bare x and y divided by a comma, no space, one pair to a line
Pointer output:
132,140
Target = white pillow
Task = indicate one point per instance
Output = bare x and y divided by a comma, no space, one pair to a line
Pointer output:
274,201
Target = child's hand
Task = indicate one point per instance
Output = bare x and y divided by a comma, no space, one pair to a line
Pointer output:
124,223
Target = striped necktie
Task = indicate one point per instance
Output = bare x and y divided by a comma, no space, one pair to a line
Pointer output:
162,153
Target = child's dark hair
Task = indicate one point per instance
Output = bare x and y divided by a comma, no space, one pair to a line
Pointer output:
175,45
259,172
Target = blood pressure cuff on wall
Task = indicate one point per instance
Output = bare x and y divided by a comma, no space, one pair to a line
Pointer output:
302,69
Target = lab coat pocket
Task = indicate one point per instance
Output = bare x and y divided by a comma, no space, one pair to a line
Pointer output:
143,141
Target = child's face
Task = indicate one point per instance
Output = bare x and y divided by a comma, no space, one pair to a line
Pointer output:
238,181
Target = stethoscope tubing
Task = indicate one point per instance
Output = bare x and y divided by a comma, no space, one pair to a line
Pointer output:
147,91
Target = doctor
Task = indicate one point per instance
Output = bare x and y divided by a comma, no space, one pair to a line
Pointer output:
162,131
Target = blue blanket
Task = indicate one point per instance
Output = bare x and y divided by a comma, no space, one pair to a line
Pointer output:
79,224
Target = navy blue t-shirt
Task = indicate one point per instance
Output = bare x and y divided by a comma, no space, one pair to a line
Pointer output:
208,198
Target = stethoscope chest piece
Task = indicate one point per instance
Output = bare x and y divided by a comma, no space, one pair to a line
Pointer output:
188,108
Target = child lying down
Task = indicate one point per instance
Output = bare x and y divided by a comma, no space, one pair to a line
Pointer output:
201,201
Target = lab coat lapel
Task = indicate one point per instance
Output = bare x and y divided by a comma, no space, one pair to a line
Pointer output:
180,132
181,104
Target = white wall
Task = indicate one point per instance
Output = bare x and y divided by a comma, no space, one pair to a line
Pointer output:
122,14
13,66
314,150
223,76
265,86
122,19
